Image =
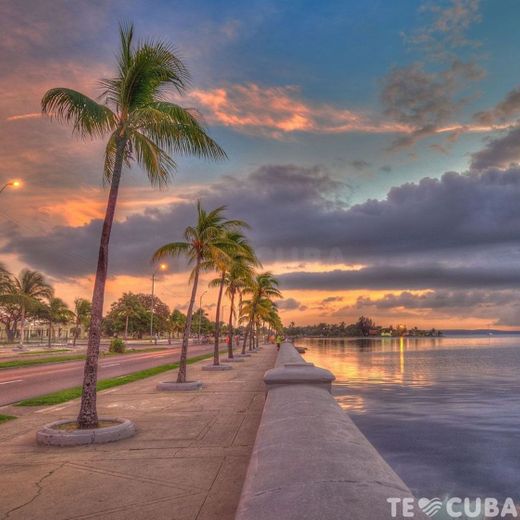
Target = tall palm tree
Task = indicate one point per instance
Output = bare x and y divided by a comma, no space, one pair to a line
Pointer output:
27,290
238,250
264,286
139,125
82,310
203,245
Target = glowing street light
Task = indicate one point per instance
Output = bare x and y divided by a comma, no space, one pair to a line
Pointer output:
162,267
11,184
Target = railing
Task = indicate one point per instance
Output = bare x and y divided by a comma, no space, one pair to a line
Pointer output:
310,462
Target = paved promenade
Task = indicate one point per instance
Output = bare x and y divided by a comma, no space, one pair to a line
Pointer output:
187,461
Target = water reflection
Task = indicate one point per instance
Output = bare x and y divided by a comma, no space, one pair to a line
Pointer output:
445,412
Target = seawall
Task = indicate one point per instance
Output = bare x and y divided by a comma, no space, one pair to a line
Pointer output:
309,460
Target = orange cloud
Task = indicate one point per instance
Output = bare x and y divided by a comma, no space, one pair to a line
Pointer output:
276,111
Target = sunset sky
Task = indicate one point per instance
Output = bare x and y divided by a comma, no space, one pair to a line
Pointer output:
373,147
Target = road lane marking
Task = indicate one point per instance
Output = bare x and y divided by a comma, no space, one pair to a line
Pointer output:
110,365
13,381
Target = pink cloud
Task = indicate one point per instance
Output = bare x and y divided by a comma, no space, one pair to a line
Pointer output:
280,111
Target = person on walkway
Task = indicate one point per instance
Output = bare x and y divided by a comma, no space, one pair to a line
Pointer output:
279,339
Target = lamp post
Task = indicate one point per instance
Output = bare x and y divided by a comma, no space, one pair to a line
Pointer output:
162,267
200,312
12,184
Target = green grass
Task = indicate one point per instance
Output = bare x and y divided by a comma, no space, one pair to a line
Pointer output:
17,363
5,418
73,393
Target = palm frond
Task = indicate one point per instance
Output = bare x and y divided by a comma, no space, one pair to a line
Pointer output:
158,165
88,117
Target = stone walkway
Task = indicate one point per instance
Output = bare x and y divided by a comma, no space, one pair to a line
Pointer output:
187,461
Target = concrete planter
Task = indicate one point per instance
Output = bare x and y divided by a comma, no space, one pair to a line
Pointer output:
172,386
234,360
216,368
50,435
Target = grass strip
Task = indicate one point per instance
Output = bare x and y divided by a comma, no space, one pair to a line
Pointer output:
5,418
17,363
73,393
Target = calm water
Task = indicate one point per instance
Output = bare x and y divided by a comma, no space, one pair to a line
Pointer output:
444,412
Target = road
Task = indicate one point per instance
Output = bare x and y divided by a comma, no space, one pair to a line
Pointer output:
21,383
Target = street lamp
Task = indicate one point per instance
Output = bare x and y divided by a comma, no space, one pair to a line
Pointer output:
10,184
200,312
162,267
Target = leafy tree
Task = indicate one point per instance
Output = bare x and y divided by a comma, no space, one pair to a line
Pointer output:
139,126
364,324
202,245
131,314
176,323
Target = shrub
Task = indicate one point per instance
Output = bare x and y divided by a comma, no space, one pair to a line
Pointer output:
117,345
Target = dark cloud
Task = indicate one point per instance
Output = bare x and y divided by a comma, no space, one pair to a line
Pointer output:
386,168
425,101
331,299
288,304
360,165
299,214
504,110
501,152
404,277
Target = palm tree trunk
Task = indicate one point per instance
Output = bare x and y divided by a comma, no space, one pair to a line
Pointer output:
181,377
87,417
230,325
126,327
22,325
50,334
246,335
76,332
216,353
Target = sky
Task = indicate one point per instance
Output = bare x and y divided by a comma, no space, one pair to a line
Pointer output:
373,146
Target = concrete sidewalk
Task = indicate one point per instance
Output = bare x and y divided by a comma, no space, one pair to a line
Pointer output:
187,461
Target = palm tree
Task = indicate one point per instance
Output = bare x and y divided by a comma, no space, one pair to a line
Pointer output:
82,310
27,291
129,307
56,312
238,250
203,245
238,275
264,286
139,125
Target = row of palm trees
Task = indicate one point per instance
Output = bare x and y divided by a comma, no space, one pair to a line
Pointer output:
141,124
215,243
30,295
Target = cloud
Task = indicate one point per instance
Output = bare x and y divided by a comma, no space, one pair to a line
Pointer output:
425,276
278,111
447,26
501,152
360,165
503,111
426,101
331,299
288,304
302,215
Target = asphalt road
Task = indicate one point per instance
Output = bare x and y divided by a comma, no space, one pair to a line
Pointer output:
21,383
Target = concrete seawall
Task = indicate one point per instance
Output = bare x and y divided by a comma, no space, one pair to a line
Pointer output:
310,461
